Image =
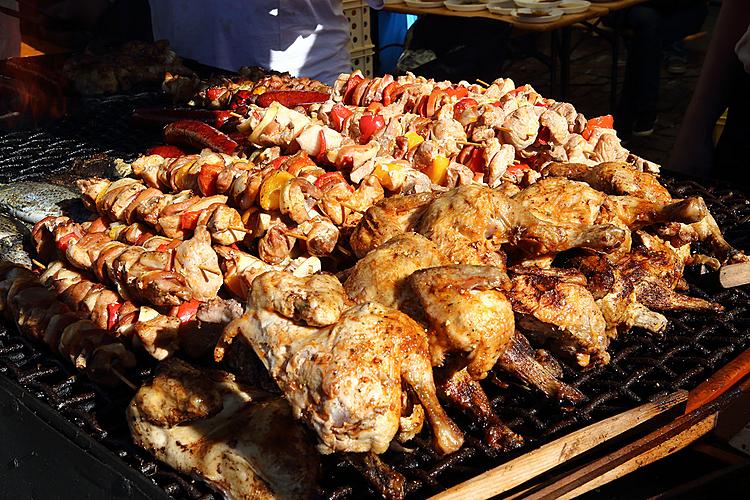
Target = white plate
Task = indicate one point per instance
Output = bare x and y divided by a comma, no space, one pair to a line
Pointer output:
425,5
503,8
537,4
552,15
574,6
460,6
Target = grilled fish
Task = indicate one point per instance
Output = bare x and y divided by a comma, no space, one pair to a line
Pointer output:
32,201
12,236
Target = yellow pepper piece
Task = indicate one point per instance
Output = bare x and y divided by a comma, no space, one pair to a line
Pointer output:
414,139
271,189
384,174
438,169
260,89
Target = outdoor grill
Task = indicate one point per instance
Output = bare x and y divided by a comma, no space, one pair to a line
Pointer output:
642,368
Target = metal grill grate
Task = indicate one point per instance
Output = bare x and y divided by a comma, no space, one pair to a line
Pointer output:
642,366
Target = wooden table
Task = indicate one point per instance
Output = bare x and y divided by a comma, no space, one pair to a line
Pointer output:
559,30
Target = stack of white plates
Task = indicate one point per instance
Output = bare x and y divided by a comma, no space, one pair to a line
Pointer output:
466,5
537,4
536,16
504,8
574,6
424,3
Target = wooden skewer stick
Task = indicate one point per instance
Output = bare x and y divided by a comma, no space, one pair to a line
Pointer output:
236,115
123,379
299,236
206,271
240,229
352,208
534,463
38,264
482,82
734,275
469,143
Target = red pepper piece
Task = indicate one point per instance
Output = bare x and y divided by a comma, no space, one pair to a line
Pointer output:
207,178
339,113
606,121
187,310
461,105
113,315
277,162
368,125
189,220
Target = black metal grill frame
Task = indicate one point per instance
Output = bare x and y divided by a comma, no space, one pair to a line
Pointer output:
642,367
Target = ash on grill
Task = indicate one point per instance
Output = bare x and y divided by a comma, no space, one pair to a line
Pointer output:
642,366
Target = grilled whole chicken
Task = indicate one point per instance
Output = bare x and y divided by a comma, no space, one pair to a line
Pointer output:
618,178
383,276
575,205
555,306
242,441
344,368
469,312
471,224
391,217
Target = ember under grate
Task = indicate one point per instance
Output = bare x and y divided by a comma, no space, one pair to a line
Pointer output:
642,367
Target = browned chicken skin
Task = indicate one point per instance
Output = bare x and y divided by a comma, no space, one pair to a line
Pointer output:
472,224
619,178
241,440
554,305
342,367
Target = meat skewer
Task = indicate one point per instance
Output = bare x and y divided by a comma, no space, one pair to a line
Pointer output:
41,316
174,216
165,276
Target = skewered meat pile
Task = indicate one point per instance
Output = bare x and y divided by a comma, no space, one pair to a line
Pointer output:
396,242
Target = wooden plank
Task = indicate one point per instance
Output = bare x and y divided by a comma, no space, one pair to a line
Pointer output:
530,465
720,382
665,449
578,479
564,21
734,275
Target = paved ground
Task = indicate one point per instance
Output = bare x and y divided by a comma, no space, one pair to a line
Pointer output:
590,80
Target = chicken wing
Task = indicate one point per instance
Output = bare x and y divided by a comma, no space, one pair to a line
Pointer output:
391,217
468,309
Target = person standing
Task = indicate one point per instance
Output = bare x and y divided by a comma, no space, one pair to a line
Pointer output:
10,29
654,26
303,37
723,84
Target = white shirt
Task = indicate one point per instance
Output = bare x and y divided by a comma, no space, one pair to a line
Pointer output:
303,37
